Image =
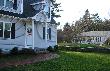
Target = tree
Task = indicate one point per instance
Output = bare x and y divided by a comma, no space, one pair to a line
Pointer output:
55,9
60,37
67,32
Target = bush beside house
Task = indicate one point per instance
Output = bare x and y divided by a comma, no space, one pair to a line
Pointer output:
14,51
52,49
85,48
0,51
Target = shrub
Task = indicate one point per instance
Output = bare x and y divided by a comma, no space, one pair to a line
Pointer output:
56,48
14,51
27,51
0,51
50,49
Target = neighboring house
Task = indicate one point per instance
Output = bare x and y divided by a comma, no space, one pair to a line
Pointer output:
27,24
94,37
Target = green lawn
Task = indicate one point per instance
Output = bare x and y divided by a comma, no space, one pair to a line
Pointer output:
69,61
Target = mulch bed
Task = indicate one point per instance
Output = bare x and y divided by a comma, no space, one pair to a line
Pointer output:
37,58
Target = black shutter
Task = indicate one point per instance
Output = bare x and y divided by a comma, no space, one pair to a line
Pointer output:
43,32
13,31
15,5
50,33
1,33
49,13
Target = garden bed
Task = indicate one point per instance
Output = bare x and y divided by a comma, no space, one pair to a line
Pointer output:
16,60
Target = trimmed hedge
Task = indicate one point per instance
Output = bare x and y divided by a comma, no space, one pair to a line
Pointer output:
27,51
87,49
0,51
14,51
50,49
56,48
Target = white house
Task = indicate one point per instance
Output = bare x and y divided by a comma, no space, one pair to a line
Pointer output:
27,24
94,37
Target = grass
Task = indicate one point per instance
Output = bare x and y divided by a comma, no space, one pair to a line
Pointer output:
69,61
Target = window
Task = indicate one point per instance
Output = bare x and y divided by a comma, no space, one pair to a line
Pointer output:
1,2
1,29
7,30
39,6
43,32
9,4
49,33
100,39
96,39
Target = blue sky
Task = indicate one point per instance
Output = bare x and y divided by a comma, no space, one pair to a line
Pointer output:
74,9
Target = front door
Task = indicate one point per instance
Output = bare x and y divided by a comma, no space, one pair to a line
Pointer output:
29,35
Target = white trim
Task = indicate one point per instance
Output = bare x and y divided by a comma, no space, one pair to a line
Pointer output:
25,35
4,3
3,29
43,2
32,34
46,32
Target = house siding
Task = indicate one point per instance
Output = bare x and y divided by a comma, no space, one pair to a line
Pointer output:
19,41
99,37
39,41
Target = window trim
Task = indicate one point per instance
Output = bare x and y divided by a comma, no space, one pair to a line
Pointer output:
4,29
4,5
7,30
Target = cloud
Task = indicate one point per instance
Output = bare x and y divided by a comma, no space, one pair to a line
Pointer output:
74,9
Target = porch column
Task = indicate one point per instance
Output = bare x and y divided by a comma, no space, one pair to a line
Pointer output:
32,34
46,33
25,36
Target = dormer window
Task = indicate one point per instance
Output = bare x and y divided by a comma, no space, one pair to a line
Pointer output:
9,4
39,6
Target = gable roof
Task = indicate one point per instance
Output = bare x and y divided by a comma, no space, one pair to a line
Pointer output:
28,10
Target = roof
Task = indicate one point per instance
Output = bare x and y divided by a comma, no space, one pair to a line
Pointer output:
53,21
95,33
28,10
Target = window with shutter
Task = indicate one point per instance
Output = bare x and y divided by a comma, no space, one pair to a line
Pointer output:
7,30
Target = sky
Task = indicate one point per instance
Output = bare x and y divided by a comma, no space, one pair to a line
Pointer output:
74,9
